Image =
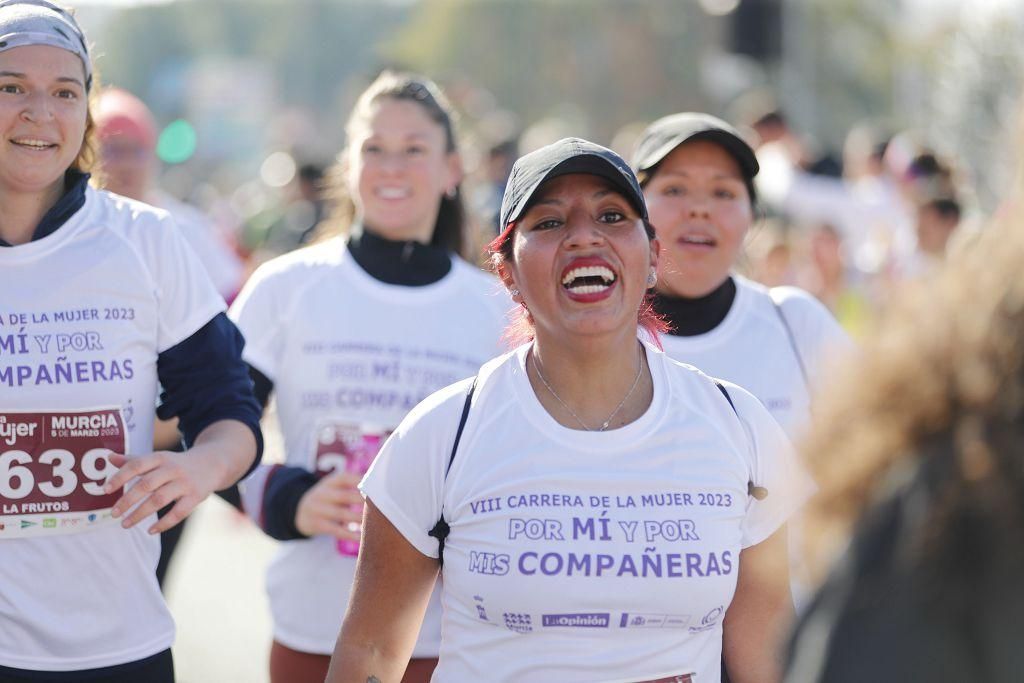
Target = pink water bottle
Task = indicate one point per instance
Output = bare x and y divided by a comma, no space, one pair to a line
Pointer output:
351,449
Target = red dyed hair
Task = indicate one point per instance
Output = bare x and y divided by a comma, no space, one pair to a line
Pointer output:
521,329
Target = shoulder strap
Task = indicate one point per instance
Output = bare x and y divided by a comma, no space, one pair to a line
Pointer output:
441,528
791,337
758,492
725,392
462,425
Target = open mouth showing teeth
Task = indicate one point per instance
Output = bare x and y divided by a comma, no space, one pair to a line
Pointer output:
588,280
699,240
392,193
33,144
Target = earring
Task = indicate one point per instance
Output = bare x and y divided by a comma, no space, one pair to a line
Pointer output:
451,192
514,292
652,278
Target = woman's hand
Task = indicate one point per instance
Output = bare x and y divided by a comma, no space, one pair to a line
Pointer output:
161,478
222,453
333,507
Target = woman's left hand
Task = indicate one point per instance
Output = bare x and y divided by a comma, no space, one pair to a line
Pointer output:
159,479
222,453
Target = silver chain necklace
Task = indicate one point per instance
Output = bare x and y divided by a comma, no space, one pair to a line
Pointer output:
606,423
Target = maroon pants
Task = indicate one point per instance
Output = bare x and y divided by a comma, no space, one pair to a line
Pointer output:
291,666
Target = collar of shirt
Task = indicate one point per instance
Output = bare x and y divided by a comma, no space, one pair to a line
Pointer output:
75,184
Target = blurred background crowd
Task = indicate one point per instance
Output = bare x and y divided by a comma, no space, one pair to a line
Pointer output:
882,127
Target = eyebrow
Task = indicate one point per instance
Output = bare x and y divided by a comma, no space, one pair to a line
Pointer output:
601,194
60,79
717,176
417,136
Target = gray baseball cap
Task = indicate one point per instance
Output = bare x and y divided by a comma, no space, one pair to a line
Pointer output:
568,155
667,133
38,22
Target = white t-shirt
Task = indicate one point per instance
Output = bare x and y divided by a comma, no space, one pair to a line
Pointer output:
221,263
751,348
350,355
83,314
586,556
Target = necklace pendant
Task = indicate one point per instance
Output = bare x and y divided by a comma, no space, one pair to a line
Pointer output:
605,425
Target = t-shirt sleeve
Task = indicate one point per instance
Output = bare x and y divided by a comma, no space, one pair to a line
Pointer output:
780,484
186,296
821,339
259,312
406,481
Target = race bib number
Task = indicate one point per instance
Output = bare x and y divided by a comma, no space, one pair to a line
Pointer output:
53,466
347,448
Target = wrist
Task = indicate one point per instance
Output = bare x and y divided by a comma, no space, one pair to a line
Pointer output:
213,463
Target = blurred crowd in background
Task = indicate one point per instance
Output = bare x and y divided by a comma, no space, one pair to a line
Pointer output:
880,126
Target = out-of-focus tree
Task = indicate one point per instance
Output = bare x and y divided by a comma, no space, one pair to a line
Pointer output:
312,47
845,64
610,61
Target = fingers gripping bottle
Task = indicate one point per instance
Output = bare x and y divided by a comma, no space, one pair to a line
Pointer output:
348,448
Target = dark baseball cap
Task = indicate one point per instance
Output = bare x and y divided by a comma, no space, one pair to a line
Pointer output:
667,133
569,155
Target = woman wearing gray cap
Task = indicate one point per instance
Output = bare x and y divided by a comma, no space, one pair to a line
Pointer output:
599,512
101,301
697,173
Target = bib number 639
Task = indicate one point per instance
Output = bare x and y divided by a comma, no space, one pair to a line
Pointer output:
17,480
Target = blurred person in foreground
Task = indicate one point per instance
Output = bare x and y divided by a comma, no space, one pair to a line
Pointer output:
919,455
128,135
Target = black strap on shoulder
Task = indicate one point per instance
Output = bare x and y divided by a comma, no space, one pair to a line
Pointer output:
758,492
725,392
441,528
462,425
792,341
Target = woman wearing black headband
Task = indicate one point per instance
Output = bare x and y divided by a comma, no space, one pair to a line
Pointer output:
102,301
602,513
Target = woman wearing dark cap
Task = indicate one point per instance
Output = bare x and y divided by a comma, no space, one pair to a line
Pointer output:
600,512
349,335
101,301
698,177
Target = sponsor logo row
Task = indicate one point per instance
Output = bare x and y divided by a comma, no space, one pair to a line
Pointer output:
525,623
54,522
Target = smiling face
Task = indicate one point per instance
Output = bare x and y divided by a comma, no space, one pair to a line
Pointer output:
43,111
580,259
700,207
399,168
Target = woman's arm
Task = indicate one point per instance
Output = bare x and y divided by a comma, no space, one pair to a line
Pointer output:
760,611
392,586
